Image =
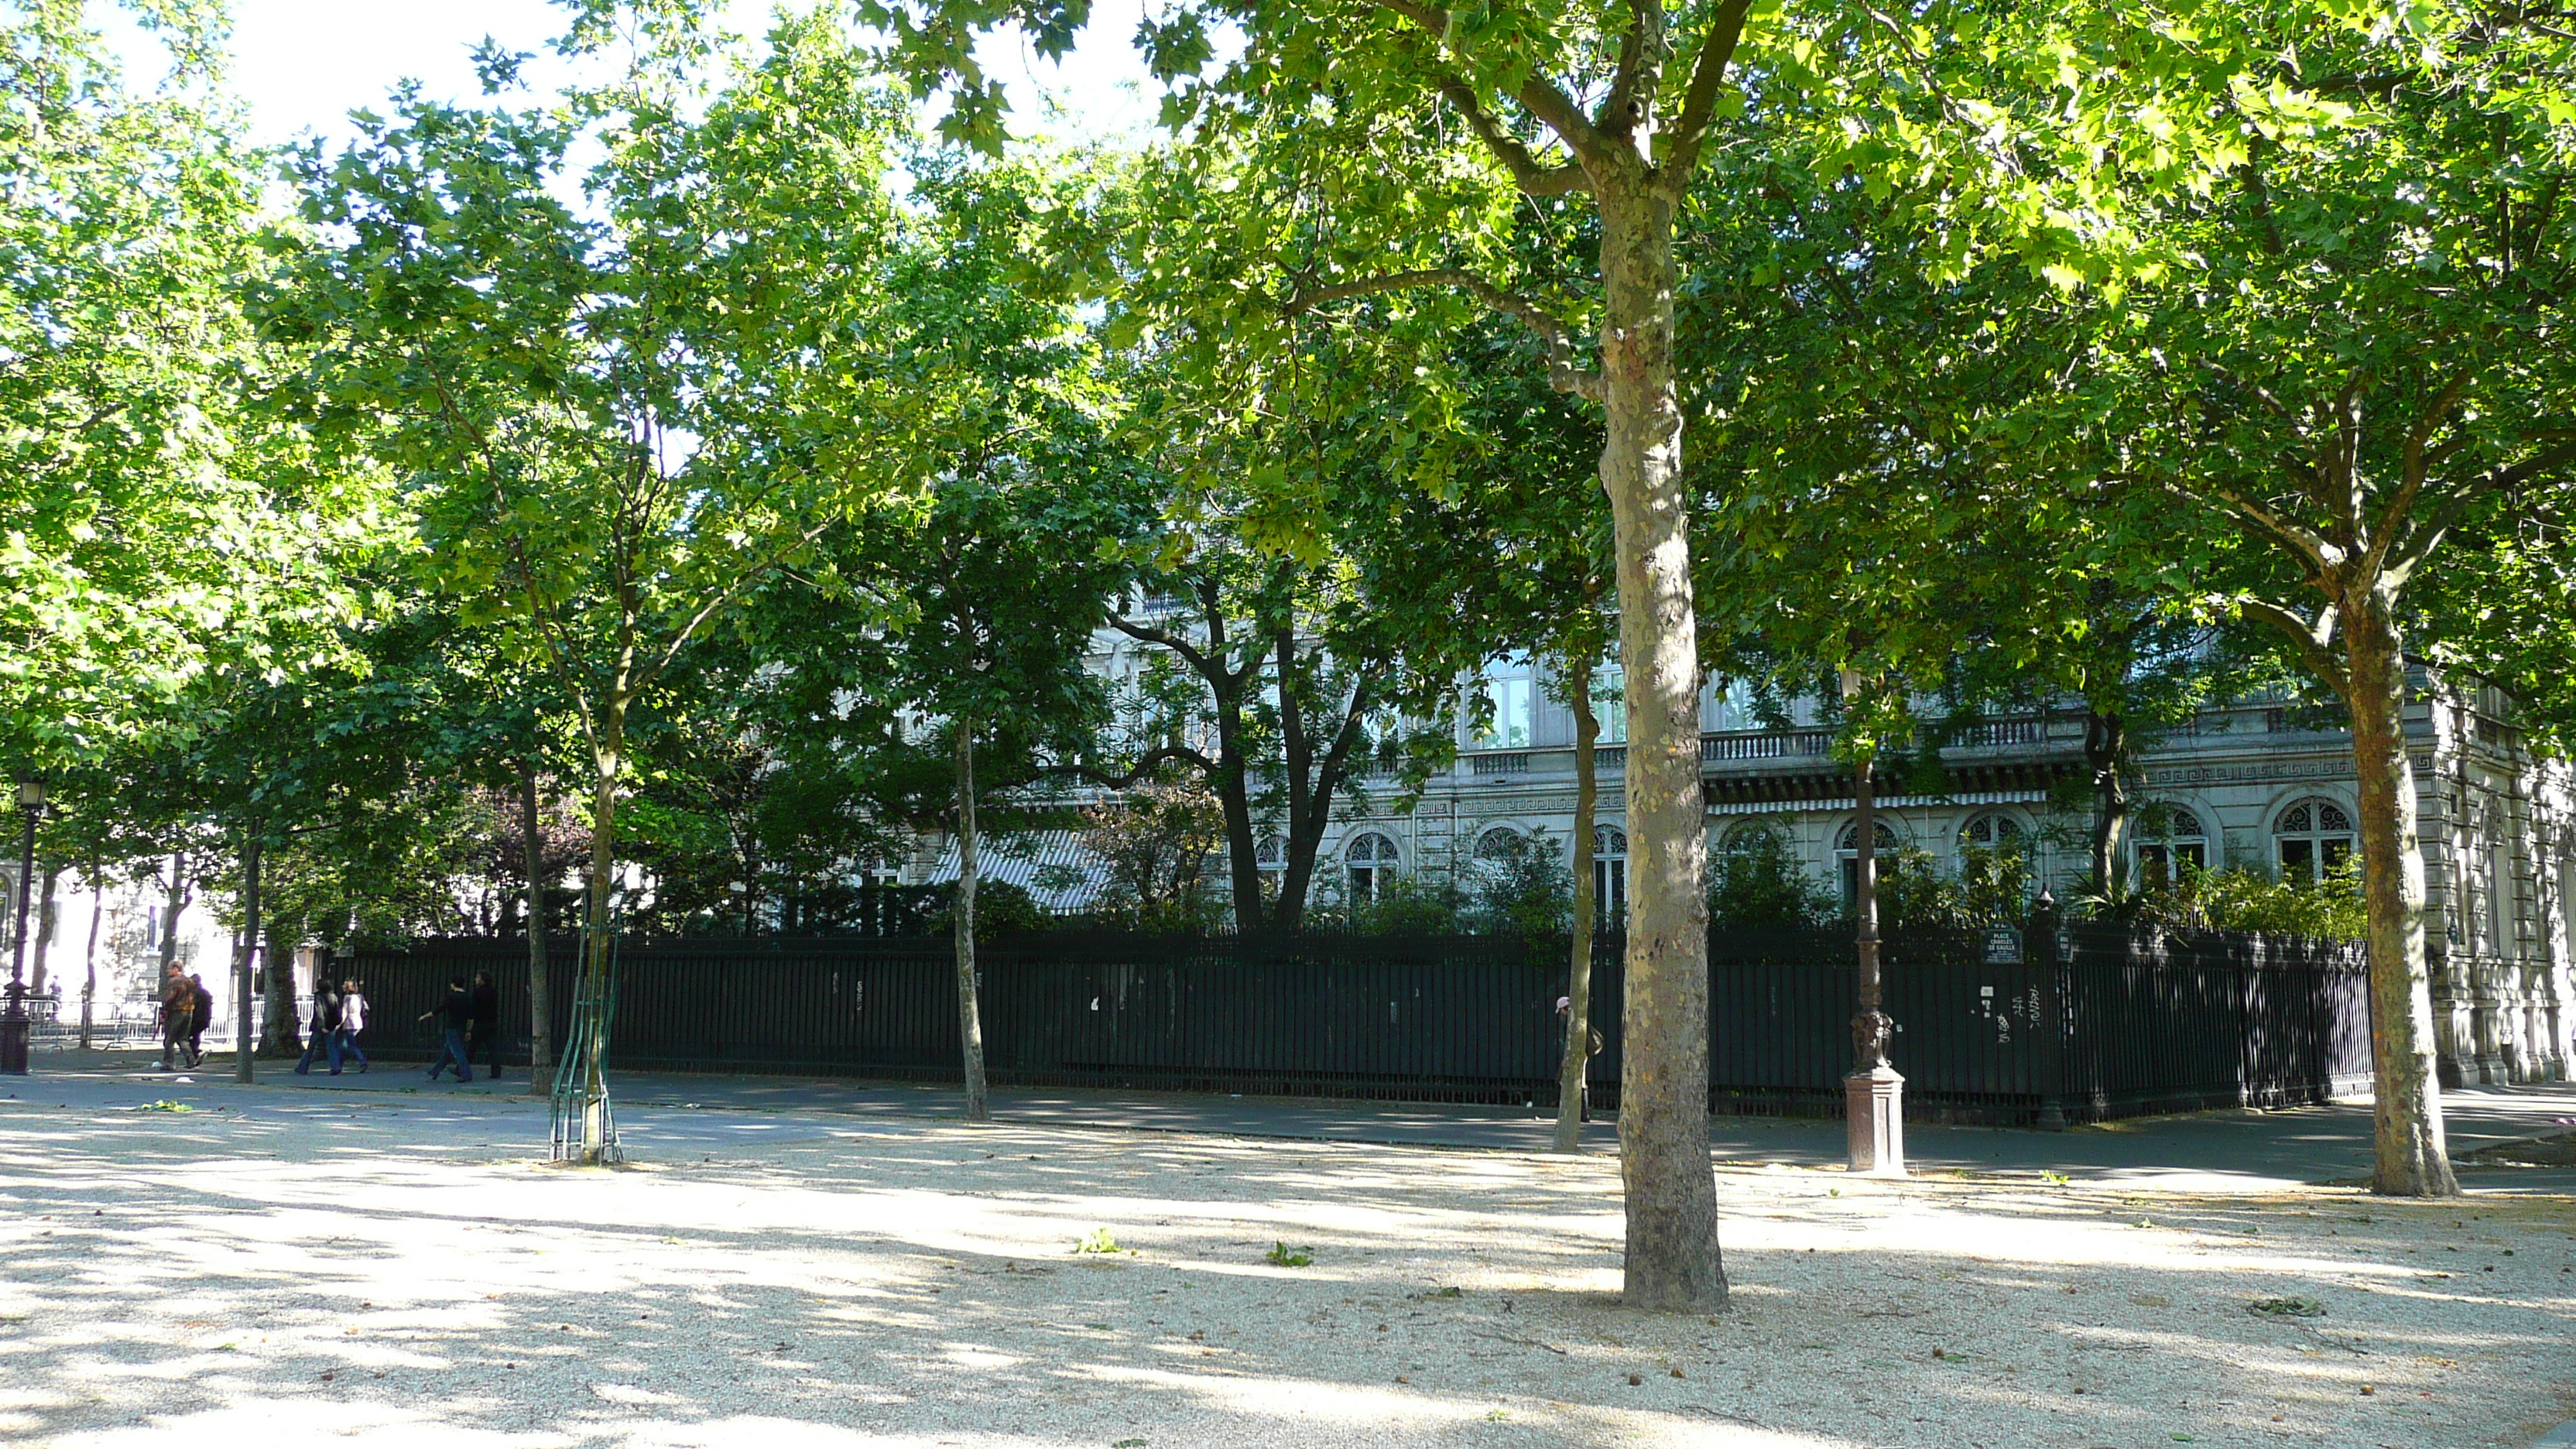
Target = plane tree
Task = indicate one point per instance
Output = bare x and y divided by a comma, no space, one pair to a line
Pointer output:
612,419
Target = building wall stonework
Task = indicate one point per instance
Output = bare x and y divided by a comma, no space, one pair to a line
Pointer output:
2496,820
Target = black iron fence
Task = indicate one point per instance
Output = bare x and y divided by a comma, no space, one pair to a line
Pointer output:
2047,1027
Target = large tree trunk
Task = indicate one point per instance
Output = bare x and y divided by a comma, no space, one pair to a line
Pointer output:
89,964
970,1016
1672,1252
1234,801
2411,1158
247,955
278,1033
177,902
541,1043
1578,988
44,930
2105,738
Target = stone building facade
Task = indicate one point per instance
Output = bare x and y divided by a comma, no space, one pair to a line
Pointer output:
2261,785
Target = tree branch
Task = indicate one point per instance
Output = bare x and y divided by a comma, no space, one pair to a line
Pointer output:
1562,373
2312,640
1164,638
1537,95
1684,140
1533,176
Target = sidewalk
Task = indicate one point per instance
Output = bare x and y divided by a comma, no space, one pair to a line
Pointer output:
2225,1151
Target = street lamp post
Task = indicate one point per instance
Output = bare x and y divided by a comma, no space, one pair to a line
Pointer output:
13,1016
1873,1092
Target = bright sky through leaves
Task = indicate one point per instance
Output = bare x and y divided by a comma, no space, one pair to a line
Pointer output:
301,66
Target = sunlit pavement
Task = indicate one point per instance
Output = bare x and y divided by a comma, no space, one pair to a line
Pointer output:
847,1268
2197,1152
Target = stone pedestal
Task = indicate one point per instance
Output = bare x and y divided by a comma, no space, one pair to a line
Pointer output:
13,1045
1874,1100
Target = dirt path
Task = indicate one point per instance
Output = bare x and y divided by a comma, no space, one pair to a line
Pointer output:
395,1278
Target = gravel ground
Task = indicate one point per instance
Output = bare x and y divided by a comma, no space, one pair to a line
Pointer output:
392,1275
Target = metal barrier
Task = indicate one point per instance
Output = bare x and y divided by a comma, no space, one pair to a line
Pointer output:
2043,1027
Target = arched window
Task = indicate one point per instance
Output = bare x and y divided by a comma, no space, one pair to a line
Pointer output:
1372,860
1848,843
2311,837
1994,831
1847,857
1498,844
2169,838
1270,853
1609,873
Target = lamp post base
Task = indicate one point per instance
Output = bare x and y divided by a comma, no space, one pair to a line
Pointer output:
13,1045
1874,1104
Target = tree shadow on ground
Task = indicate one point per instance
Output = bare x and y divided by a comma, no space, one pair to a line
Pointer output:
398,1276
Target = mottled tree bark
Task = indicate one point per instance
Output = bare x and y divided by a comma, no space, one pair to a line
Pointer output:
1578,990
247,955
1672,1260
2411,1158
2105,741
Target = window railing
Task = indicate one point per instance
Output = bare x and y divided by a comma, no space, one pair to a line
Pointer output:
2000,734
1511,764
1765,744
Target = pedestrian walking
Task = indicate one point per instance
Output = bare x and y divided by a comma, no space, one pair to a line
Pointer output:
353,1020
455,1015
487,1025
178,1017
203,1008
323,1041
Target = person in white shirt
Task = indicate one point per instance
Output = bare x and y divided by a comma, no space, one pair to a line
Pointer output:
353,1019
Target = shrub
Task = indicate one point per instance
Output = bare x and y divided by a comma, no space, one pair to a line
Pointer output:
1526,890
1755,883
2240,899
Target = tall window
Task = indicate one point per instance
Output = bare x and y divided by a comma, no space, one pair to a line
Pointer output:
1847,858
1508,687
2496,863
2169,837
1609,873
2311,837
1371,860
1610,703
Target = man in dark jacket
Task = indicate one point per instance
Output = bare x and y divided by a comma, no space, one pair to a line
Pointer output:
455,1014
487,1024
202,1002
324,1038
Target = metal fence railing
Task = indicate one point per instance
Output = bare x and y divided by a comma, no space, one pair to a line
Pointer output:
2074,1025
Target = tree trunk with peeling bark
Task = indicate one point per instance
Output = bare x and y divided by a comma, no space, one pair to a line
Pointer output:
1672,1260
2105,737
2410,1156
1578,989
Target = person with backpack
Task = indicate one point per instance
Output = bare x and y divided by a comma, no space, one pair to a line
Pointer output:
202,1015
324,1039
455,1015
353,1020
487,1024
178,1017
